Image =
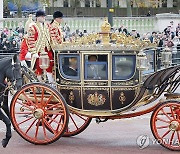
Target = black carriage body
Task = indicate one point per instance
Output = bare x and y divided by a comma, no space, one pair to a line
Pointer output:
113,90
119,86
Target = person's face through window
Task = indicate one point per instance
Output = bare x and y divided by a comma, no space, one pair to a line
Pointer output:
92,58
73,63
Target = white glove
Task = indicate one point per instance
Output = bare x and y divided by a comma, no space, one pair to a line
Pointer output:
23,63
28,56
35,55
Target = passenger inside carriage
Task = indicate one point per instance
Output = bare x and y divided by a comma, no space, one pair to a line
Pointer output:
92,58
71,70
95,69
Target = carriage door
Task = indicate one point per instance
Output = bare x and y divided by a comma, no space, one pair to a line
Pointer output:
95,90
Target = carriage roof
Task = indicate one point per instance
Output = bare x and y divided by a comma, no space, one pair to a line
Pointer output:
107,41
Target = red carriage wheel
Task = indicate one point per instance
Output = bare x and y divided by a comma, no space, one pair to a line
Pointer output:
36,109
77,124
165,124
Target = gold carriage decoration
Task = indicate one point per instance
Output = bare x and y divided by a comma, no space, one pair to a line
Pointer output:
120,41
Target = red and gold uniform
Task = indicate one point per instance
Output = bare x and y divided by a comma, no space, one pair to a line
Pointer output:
55,34
24,55
23,50
39,41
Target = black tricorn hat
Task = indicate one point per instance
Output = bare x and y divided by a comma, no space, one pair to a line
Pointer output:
40,13
57,14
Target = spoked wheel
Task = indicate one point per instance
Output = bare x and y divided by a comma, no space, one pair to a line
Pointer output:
77,124
39,113
165,124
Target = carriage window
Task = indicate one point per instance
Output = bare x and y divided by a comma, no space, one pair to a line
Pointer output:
96,67
70,66
123,67
150,62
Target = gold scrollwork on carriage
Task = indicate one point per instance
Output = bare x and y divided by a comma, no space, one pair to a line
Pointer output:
71,97
95,89
123,89
124,83
95,83
69,88
122,97
64,82
96,99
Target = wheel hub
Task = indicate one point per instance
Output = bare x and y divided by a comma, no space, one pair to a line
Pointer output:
174,125
38,113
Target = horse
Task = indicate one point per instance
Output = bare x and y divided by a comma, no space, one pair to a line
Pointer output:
10,70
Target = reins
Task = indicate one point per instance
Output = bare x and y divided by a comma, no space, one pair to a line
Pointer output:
8,87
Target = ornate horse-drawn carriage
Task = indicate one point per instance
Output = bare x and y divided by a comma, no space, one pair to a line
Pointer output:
103,81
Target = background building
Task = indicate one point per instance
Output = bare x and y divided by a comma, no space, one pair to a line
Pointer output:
92,8
121,7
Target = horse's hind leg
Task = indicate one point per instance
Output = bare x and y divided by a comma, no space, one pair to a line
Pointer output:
8,129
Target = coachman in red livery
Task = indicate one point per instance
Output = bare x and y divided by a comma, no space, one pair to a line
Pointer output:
39,41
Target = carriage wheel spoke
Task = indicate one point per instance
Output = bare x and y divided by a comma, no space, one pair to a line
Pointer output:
73,122
53,106
44,130
35,95
165,134
166,114
48,100
24,113
25,120
81,117
30,126
157,118
59,124
161,127
42,96
55,113
37,129
46,122
172,136
24,105
52,118
32,103
172,112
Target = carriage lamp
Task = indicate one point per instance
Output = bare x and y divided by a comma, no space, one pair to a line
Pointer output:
166,56
44,60
141,61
